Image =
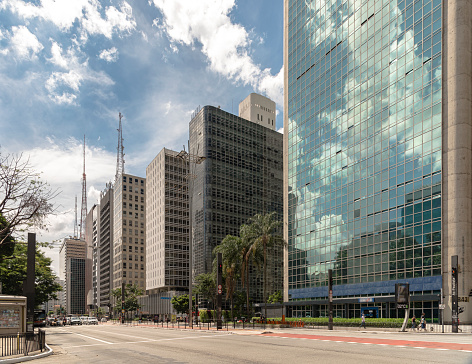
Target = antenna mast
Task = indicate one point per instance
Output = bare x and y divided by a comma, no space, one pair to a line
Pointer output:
75,220
120,156
83,211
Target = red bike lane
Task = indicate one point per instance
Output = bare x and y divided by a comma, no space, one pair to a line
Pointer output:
375,341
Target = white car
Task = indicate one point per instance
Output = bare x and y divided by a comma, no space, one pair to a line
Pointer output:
92,321
84,320
75,321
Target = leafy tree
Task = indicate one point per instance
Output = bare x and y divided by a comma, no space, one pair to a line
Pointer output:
206,286
264,232
276,297
230,249
180,303
132,292
25,200
13,273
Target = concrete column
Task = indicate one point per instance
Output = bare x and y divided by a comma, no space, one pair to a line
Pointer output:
285,149
457,150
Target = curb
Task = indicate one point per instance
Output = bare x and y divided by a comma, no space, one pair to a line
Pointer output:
27,358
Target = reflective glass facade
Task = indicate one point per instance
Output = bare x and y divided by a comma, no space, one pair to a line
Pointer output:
364,145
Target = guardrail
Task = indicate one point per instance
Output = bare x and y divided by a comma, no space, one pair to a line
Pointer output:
25,343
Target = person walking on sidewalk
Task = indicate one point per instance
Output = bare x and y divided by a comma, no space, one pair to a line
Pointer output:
423,322
413,323
363,321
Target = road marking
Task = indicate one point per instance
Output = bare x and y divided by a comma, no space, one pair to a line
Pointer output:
142,341
93,338
441,349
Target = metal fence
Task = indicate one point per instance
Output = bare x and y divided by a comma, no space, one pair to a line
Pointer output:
17,344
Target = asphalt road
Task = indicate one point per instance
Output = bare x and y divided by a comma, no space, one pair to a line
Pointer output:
126,344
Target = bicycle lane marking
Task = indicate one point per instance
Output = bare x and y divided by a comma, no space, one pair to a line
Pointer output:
391,342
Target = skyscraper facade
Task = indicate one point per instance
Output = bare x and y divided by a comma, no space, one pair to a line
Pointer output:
377,130
240,177
92,237
72,257
129,234
105,254
167,223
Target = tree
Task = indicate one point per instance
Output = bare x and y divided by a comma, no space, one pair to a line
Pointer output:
180,303
230,249
206,286
25,200
264,232
13,273
132,292
276,297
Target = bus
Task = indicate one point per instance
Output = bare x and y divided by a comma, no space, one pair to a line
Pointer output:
39,318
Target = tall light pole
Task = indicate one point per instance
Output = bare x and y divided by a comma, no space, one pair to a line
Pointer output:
190,159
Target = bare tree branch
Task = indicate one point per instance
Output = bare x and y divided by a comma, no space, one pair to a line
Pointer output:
25,200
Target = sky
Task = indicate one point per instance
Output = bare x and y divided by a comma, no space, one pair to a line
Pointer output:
67,68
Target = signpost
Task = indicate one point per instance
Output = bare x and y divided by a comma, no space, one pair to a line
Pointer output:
402,300
454,295
219,290
330,306
29,284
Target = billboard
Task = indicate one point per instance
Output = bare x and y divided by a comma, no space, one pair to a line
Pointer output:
402,295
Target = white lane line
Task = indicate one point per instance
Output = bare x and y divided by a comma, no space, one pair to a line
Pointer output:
116,333
93,338
351,342
442,349
466,351
419,347
144,341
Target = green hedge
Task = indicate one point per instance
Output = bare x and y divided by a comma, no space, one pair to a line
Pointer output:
345,322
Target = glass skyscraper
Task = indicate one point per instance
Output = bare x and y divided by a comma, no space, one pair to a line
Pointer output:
364,154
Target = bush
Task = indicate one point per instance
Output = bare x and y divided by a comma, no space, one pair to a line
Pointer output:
345,322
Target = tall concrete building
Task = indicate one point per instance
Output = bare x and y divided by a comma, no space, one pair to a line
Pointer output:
105,265
377,154
166,223
129,236
72,260
258,109
92,237
240,177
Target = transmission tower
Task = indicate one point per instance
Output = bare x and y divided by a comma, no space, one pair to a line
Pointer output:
120,156
75,220
83,211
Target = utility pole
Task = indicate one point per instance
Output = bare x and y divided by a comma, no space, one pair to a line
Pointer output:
454,293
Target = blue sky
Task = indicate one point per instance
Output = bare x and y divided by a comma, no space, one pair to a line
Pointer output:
68,67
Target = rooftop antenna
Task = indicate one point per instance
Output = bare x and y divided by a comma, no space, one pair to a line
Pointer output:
75,220
120,156
83,211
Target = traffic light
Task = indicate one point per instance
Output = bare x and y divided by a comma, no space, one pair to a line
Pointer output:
454,270
220,268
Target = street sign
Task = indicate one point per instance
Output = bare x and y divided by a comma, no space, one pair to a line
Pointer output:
220,289
442,306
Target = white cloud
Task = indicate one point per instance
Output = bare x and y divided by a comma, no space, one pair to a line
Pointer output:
88,14
64,86
225,44
109,55
24,44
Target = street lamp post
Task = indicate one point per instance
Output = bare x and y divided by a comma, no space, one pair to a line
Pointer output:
195,159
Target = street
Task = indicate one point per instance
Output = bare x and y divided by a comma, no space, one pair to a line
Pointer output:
127,344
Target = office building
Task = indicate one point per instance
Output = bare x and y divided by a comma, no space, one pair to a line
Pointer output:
92,237
240,177
166,223
72,260
105,266
258,109
129,237
377,121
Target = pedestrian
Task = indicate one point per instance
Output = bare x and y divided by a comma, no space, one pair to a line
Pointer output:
423,322
363,321
413,323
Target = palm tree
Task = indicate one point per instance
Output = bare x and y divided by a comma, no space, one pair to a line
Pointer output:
230,248
264,232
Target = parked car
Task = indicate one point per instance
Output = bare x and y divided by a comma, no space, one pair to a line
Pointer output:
75,321
84,320
92,321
